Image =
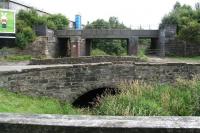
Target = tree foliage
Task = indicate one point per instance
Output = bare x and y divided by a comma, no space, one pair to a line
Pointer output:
57,21
187,20
26,20
109,46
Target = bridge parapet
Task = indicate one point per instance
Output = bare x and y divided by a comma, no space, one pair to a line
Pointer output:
23,123
108,33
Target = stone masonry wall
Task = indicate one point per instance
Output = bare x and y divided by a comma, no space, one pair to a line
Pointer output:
68,82
85,59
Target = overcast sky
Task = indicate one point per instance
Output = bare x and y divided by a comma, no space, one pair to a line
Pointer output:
130,12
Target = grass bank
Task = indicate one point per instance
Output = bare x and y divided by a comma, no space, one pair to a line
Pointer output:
136,99
16,58
16,103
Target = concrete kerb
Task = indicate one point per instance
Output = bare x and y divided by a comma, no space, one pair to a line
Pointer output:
100,124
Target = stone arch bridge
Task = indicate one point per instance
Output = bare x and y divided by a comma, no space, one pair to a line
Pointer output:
68,82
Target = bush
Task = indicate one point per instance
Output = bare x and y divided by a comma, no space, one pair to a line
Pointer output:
31,17
25,37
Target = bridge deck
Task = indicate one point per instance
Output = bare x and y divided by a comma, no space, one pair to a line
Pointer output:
108,33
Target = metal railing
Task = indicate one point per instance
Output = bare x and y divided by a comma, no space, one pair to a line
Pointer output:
137,27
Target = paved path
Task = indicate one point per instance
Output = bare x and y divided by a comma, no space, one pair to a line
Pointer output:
173,60
22,67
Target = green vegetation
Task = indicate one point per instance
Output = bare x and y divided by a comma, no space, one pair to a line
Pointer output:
57,21
109,46
141,99
135,99
27,20
187,20
141,54
98,52
16,58
16,103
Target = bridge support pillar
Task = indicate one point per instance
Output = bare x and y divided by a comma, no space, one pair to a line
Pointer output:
75,43
132,46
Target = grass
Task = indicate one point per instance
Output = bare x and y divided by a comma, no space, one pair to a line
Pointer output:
16,58
98,52
135,99
16,103
141,54
141,99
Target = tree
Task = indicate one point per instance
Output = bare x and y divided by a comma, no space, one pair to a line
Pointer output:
98,24
57,21
177,5
191,32
26,20
187,21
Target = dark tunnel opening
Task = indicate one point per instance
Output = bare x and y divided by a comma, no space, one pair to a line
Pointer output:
93,97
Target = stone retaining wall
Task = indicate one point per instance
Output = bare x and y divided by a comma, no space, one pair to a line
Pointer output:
19,123
85,59
69,82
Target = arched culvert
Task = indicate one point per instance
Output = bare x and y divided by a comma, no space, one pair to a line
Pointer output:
92,98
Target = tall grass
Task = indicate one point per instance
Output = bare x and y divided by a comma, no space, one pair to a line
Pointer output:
141,54
181,98
141,99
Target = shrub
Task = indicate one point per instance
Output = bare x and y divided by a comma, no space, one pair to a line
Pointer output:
25,37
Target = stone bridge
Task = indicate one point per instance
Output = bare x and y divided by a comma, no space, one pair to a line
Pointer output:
77,43
68,82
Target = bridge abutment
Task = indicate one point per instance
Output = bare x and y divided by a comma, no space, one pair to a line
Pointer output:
132,45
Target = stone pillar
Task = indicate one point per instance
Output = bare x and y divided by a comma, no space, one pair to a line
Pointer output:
162,42
83,47
75,43
88,47
167,35
132,46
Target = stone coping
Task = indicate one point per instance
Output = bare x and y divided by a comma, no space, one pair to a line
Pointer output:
160,122
19,68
